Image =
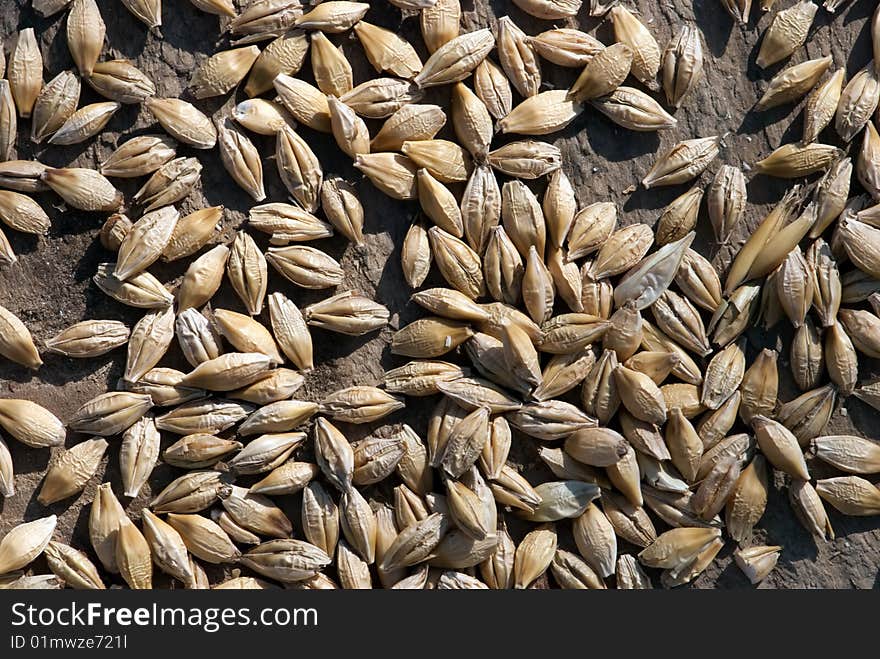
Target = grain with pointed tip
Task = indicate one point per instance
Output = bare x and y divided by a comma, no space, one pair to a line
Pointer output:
73,567
526,159
84,189
493,88
284,55
458,263
334,16
440,23
169,184
8,121
150,338
603,73
306,103
246,269
635,110
241,159
793,83
455,59
105,517
133,557
347,313
723,376
534,555
85,123
629,30
199,450
682,64
229,371
349,130
822,104
392,173
415,255
566,46
387,51
16,342
119,80
204,538
24,542
832,192
381,97
857,103
71,471
786,33
22,213
246,334
25,71
679,217
841,359
780,447
796,160
851,495
503,267
410,122
183,121
683,162
342,208
518,58
56,102
148,12
222,71
139,156
439,204
541,114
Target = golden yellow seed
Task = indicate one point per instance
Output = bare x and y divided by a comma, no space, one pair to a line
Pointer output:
786,33
646,53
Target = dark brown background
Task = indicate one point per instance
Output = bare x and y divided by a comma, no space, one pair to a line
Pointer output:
50,287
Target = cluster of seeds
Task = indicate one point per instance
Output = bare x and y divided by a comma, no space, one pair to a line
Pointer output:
677,418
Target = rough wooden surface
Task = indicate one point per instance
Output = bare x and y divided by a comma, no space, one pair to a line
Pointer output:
50,287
